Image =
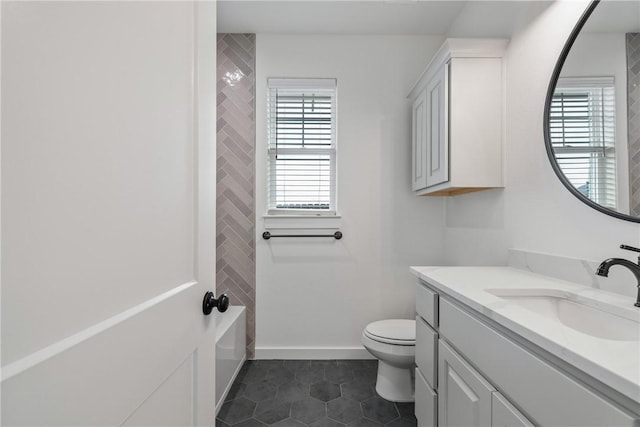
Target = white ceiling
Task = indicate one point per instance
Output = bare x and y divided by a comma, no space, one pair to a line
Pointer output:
430,17
337,17
615,17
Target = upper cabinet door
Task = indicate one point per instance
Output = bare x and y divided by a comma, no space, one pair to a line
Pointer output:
437,132
419,143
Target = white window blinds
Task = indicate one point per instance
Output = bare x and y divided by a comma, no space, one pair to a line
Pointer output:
302,145
582,130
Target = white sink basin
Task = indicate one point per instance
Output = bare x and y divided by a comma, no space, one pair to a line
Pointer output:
588,316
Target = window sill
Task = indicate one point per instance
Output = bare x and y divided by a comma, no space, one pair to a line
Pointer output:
302,221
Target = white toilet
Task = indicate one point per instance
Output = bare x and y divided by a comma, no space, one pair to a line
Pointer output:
393,343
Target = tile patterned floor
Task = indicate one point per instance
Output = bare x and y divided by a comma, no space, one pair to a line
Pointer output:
317,393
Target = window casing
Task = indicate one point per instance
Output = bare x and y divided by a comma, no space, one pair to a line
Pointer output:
582,128
301,146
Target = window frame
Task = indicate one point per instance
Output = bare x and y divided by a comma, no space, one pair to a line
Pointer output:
598,174
317,85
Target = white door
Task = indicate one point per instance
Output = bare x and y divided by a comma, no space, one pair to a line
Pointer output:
108,195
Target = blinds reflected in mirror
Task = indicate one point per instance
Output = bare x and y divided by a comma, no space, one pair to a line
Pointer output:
582,130
302,144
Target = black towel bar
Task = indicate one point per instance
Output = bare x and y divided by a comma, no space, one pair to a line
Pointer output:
337,235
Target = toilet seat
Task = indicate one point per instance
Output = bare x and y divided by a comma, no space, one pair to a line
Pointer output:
392,331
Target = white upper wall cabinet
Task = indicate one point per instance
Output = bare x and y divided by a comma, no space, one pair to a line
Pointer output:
457,119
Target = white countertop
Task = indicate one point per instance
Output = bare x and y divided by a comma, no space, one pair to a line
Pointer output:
615,363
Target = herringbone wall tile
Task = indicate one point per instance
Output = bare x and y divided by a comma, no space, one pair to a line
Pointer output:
633,111
235,204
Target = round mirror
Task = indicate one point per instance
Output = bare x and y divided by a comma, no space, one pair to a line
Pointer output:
592,112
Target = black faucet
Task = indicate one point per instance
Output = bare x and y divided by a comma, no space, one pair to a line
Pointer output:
603,269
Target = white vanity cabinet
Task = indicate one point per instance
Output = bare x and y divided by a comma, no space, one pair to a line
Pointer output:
449,391
457,119
472,372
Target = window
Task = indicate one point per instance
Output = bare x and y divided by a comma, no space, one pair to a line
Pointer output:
582,128
302,146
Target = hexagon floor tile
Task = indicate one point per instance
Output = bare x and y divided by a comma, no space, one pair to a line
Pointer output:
344,410
325,391
310,375
272,411
293,391
258,392
315,393
358,390
379,410
308,410
236,411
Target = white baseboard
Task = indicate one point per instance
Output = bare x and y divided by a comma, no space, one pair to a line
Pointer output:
312,353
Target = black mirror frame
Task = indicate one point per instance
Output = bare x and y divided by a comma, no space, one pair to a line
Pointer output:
547,107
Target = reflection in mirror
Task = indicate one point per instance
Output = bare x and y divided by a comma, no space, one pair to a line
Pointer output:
594,113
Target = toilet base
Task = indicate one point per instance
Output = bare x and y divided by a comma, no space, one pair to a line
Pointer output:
395,384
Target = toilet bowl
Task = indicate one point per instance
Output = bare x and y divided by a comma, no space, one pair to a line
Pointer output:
393,343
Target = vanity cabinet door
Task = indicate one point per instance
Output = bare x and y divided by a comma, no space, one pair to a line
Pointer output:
425,403
504,414
437,128
464,396
419,142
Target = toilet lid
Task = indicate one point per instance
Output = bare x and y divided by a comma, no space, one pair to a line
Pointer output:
393,331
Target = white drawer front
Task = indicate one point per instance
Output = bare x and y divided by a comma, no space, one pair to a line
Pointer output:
427,305
427,351
426,402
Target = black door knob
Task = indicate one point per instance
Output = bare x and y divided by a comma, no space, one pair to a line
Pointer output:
210,301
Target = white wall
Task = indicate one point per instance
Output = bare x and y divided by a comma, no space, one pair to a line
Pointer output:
534,211
319,294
